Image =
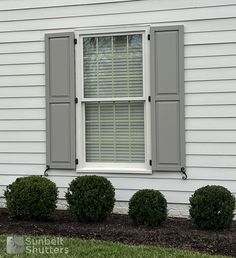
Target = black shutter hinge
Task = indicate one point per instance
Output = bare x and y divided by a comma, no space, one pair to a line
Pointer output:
76,161
75,41
149,98
76,100
149,37
150,162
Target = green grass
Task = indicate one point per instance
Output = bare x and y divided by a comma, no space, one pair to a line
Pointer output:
78,248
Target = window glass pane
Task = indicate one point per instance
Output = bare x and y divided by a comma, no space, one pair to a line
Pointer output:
114,132
113,66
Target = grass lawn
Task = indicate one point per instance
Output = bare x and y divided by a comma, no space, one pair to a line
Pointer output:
74,247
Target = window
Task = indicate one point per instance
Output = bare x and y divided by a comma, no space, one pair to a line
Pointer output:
129,117
113,100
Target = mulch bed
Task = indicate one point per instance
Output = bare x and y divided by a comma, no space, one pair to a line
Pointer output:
175,232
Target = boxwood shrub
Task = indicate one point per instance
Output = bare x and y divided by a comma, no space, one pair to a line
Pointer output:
148,207
212,207
91,198
32,197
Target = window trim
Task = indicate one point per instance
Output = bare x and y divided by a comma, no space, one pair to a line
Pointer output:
104,167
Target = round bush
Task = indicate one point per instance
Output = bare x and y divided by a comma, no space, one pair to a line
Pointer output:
212,207
91,198
32,197
148,207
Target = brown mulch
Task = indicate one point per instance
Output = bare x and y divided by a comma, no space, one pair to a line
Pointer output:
175,232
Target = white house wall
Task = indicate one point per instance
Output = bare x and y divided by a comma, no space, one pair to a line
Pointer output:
210,87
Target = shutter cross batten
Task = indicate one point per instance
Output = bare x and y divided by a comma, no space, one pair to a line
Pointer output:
167,92
60,100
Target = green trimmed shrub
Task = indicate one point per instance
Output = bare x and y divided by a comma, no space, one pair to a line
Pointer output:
91,198
212,207
32,197
148,207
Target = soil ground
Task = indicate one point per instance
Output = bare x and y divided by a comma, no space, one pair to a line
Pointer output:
175,232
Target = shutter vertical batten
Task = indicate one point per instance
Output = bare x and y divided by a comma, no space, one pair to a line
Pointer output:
167,105
60,100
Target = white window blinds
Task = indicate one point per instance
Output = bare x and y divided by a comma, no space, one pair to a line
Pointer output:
113,68
115,132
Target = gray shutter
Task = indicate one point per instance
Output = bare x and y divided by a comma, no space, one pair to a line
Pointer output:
60,100
167,104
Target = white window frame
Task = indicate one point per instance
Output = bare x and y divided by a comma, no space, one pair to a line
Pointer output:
100,167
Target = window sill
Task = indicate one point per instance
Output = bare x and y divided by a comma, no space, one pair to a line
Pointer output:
113,171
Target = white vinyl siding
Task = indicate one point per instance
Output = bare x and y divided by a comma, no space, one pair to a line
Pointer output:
210,79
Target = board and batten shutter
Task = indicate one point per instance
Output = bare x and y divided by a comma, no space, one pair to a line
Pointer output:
167,98
60,100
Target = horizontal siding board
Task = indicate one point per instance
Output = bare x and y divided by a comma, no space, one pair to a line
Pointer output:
21,47
18,91
211,149
210,62
211,136
22,69
22,103
22,158
212,174
22,125
209,50
210,74
212,37
18,114
210,86
6,5
210,111
20,58
23,80
125,18
15,147
210,98
210,124
32,136
211,161
21,170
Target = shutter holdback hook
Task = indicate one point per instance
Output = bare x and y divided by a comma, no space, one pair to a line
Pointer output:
183,170
45,172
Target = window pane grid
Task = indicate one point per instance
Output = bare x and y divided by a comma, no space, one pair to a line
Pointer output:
113,92
114,132
113,66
